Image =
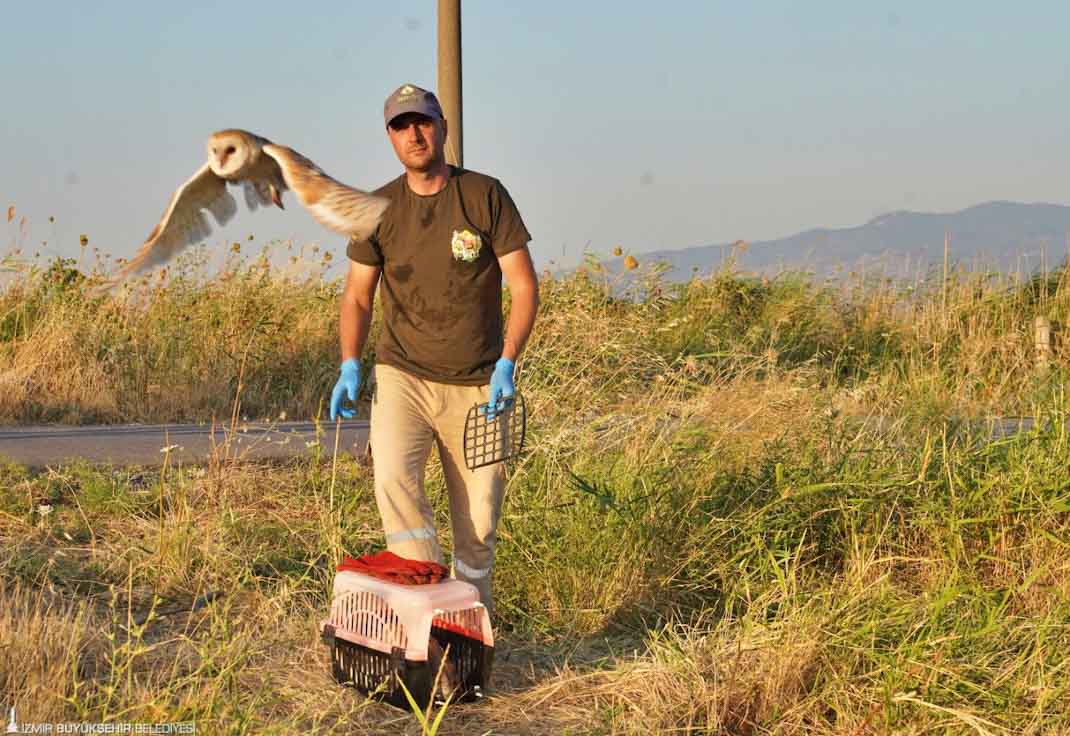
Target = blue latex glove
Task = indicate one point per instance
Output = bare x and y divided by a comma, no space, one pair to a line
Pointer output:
347,386
501,386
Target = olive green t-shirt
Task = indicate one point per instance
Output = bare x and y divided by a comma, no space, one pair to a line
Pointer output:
440,284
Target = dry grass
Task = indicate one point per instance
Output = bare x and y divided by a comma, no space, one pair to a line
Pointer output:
749,507
687,681
46,643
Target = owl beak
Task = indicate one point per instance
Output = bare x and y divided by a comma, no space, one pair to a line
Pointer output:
276,198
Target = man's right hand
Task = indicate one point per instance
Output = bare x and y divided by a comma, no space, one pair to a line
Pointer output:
347,386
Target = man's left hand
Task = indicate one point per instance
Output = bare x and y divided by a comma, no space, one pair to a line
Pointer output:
501,386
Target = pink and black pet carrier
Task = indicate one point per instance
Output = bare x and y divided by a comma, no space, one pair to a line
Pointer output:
382,634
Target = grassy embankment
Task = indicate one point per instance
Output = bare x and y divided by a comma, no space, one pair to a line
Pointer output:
712,533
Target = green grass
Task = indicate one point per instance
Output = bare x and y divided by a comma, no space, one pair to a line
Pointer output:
711,532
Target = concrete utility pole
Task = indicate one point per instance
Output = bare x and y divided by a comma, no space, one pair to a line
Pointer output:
1042,340
449,77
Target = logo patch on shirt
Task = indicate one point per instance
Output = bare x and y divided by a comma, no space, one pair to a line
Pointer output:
466,245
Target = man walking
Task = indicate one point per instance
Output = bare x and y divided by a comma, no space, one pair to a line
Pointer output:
440,252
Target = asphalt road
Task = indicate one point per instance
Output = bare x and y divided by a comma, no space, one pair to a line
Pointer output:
146,444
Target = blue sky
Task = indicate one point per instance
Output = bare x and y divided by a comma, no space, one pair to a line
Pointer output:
646,125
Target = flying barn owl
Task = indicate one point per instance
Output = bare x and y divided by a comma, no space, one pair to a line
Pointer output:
265,170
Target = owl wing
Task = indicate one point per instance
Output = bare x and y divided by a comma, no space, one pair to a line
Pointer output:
334,205
184,222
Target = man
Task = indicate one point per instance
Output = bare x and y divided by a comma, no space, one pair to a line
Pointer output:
446,240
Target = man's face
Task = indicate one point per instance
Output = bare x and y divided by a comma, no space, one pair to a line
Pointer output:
418,140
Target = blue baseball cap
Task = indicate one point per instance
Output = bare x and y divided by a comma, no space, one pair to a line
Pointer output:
410,98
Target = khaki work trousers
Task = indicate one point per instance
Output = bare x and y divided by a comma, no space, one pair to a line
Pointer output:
408,414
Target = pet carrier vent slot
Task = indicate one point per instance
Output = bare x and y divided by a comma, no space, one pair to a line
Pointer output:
370,619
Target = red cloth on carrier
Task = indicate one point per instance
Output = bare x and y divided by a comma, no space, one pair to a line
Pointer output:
390,567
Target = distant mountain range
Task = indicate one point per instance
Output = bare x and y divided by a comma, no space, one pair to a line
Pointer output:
1002,236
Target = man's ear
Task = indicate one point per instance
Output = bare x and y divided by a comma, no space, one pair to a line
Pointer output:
445,129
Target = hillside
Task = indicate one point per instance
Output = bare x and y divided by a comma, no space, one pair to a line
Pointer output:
1003,235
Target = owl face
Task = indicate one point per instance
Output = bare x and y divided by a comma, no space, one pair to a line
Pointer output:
232,153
